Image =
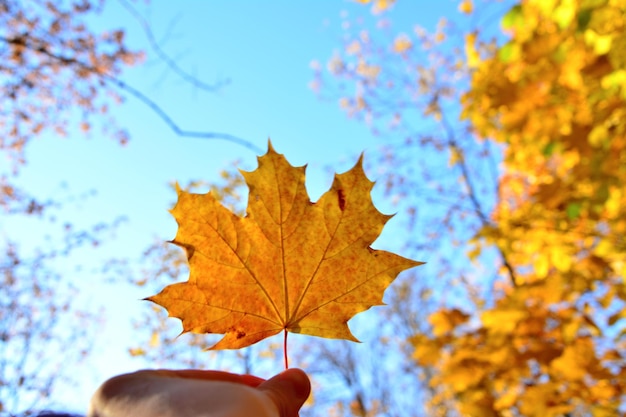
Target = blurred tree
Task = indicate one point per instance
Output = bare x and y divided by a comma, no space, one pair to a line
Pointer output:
527,317
56,75
55,68
50,66
36,318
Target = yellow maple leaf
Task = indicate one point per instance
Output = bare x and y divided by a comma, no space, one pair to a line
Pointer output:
575,361
471,53
288,265
444,321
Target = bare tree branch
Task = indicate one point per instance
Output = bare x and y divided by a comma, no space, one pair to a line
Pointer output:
166,58
478,209
42,49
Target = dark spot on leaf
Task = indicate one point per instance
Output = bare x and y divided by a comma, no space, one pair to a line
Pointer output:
341,199
240,334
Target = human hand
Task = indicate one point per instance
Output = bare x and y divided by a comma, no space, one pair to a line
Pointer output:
196,393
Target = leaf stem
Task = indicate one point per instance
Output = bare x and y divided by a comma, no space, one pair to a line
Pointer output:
285,350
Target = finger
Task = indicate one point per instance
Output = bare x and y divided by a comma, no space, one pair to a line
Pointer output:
289,390
210,375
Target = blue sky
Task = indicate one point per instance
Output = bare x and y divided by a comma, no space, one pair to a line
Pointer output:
265,50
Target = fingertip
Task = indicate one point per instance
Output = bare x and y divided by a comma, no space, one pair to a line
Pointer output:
300,382
289,390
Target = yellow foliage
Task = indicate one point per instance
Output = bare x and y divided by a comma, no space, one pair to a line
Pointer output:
573,363
554,97
471,54
426,351
543,401
402,43
367,71
501,321
378,6
136,352
466,6
353,48
506,399
155,340
445,321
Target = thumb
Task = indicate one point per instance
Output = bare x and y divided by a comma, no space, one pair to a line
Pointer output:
288,390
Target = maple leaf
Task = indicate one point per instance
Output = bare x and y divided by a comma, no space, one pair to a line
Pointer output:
288,265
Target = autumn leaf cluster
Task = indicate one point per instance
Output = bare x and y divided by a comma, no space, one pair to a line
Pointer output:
555,96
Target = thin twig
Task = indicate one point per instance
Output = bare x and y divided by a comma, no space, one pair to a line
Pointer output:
172,125
473,195
165,57
135,93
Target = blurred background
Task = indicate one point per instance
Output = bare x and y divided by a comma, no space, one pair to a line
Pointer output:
493,129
